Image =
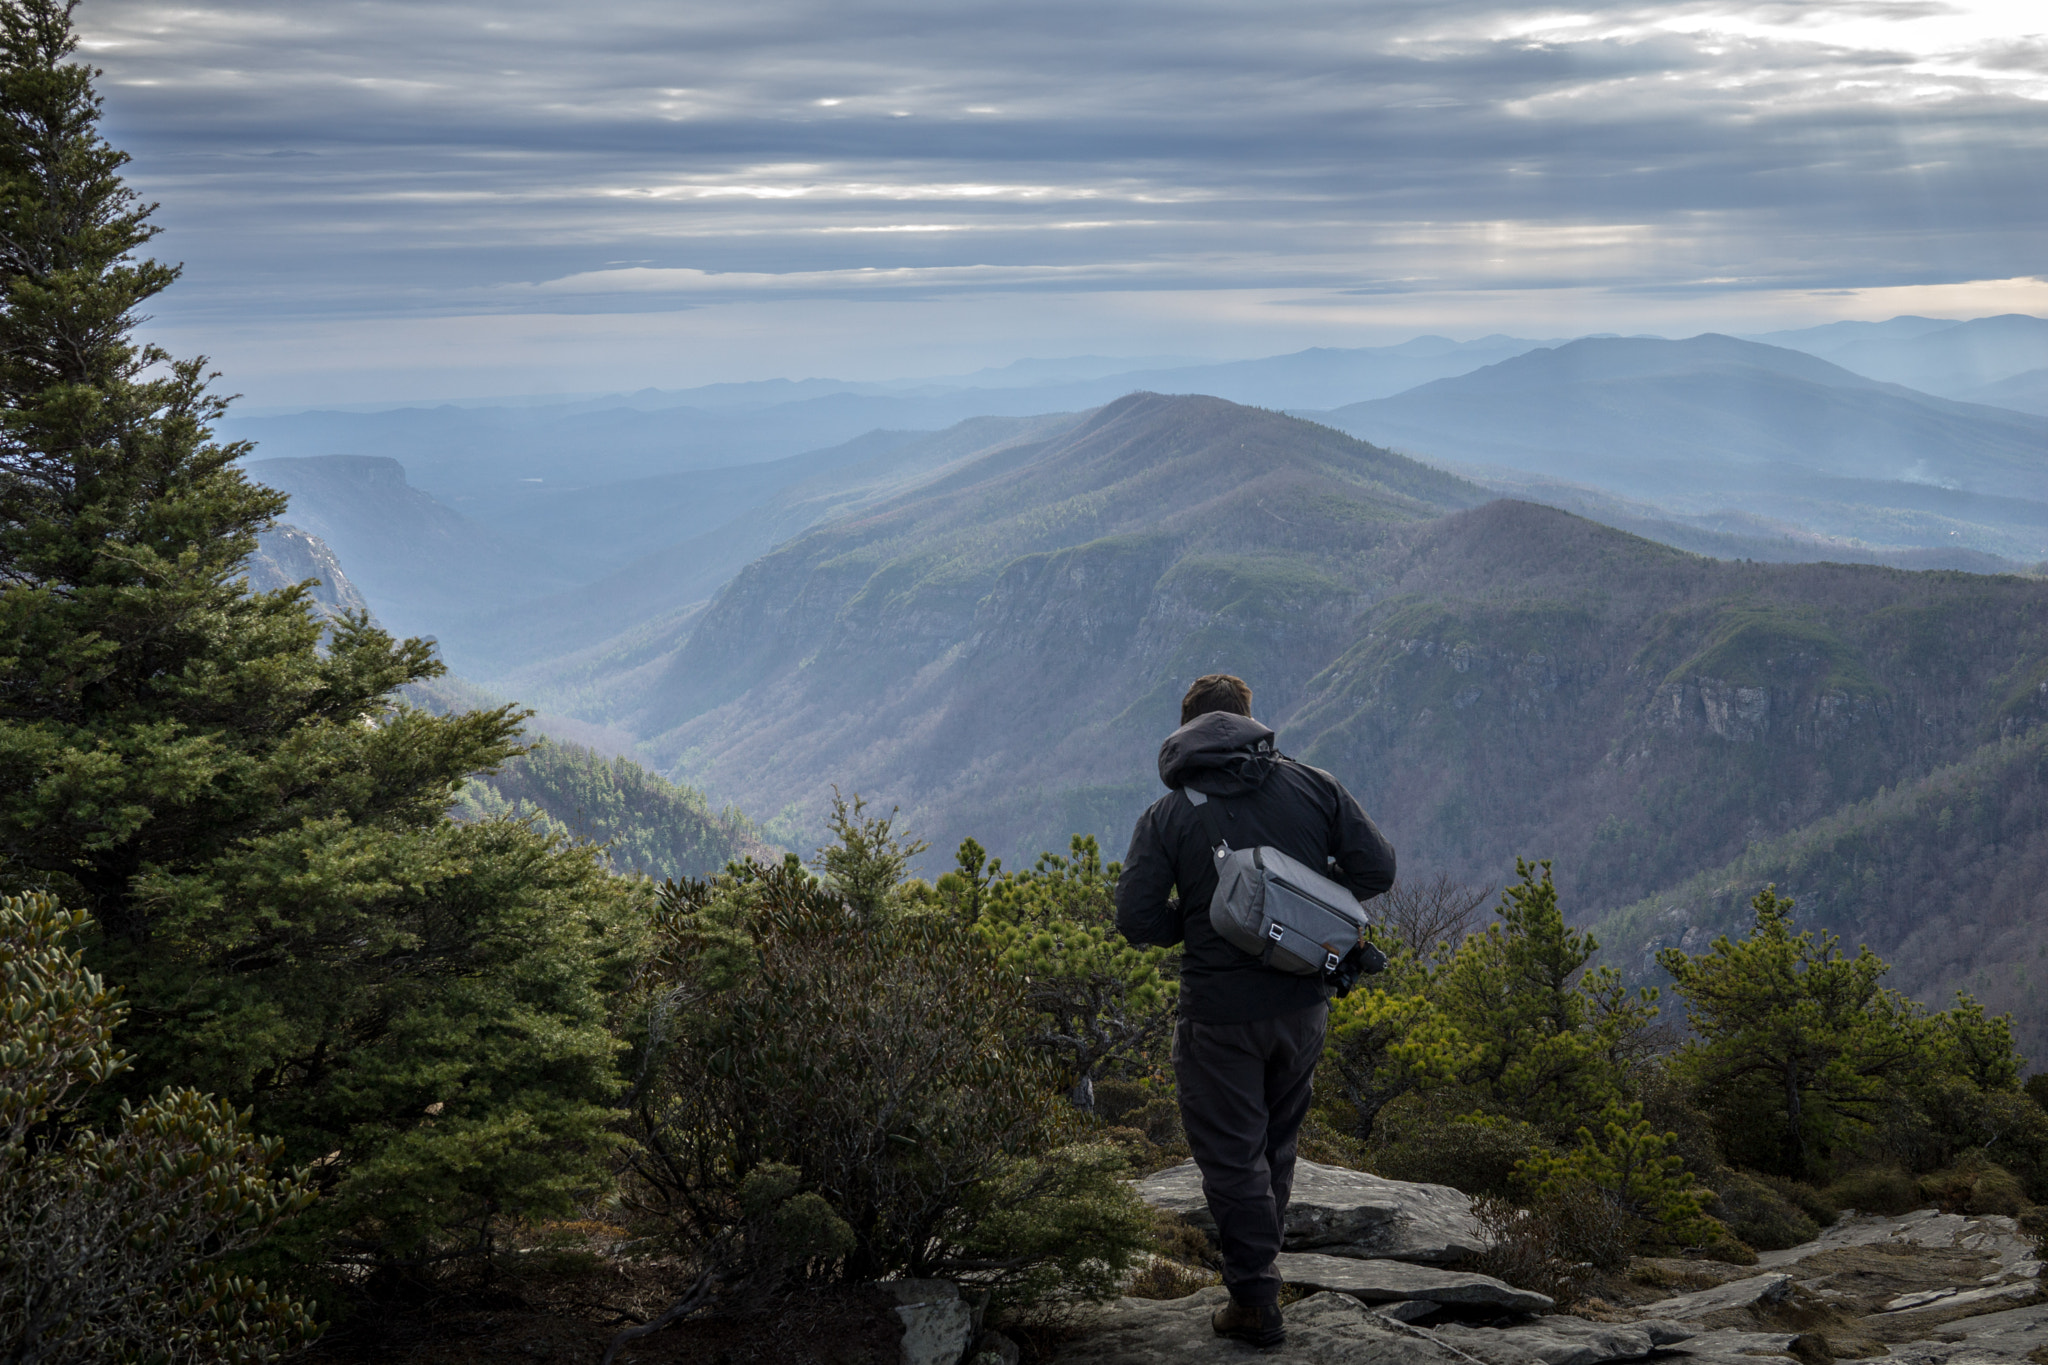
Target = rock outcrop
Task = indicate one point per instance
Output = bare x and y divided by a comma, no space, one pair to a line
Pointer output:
1561,1341
1386,1282
1736,1294
1924,1289
1323,1329
938,1325
1340,1212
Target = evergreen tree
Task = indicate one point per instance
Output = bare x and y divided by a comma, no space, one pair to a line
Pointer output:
112,1245
1105,1008
1792,1037
256,827
1388,1039
1551,1039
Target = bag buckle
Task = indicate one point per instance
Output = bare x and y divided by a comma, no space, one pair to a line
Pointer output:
1277,932
1331,962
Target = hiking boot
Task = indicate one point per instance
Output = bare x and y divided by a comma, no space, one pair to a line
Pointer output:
1243,1322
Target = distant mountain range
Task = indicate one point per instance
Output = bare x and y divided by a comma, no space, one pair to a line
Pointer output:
488,462
1966,360
1715,424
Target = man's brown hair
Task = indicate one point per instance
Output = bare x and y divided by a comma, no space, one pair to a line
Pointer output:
1216,692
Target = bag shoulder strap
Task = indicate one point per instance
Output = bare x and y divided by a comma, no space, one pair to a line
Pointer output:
1205,811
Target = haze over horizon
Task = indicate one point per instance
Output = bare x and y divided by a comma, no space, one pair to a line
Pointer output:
384,203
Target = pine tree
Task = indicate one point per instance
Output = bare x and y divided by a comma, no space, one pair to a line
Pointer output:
256,827
1792,1035
1550,1037
1388,1039
153,713
1105,1008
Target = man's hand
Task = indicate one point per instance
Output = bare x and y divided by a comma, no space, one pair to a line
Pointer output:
1364,960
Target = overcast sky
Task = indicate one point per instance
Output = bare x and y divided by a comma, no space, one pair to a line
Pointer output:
402,200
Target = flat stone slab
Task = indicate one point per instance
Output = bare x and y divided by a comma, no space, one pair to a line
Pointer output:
1989,1232
1746,1293
1384,1281
1730,1346
1993,1298
1562,1341
1345,1213
1323,1329
1993,1339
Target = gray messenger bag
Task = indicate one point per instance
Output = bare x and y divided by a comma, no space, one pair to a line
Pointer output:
1290,917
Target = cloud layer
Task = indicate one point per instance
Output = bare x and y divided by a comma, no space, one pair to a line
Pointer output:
1204,176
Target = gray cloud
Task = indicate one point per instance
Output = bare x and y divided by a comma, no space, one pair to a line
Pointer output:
379,161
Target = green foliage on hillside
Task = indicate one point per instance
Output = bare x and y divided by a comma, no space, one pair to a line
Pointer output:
644,823
1972,834
1479,1068
1762,645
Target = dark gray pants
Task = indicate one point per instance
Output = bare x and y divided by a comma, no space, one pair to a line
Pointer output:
1244,1090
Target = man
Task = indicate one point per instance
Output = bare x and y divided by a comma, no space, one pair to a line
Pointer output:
1245,1048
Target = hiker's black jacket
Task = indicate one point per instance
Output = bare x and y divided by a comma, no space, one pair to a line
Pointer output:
1260,798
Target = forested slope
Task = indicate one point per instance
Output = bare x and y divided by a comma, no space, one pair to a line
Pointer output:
1946,876
645,823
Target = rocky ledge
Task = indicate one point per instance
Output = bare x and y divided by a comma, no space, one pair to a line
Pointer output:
1345,1213
1924,1289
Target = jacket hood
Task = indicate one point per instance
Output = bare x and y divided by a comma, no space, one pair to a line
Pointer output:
1218,754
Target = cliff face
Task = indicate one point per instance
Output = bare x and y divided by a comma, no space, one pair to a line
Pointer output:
286,555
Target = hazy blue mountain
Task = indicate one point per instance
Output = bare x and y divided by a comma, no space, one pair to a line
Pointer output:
1955,359
936,632
490,463
421,565
591,635
1329,376
2023,392
1830,336
573,587
1731,534
1716,424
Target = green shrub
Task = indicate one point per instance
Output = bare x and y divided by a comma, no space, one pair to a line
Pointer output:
1876,1189
1630,1166
1550,1245
1436,1137
1105,1007
1973,1185
424,1015
1810,1200
883,1054
1719,1244
1760,1215
1548,1036
115,1246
